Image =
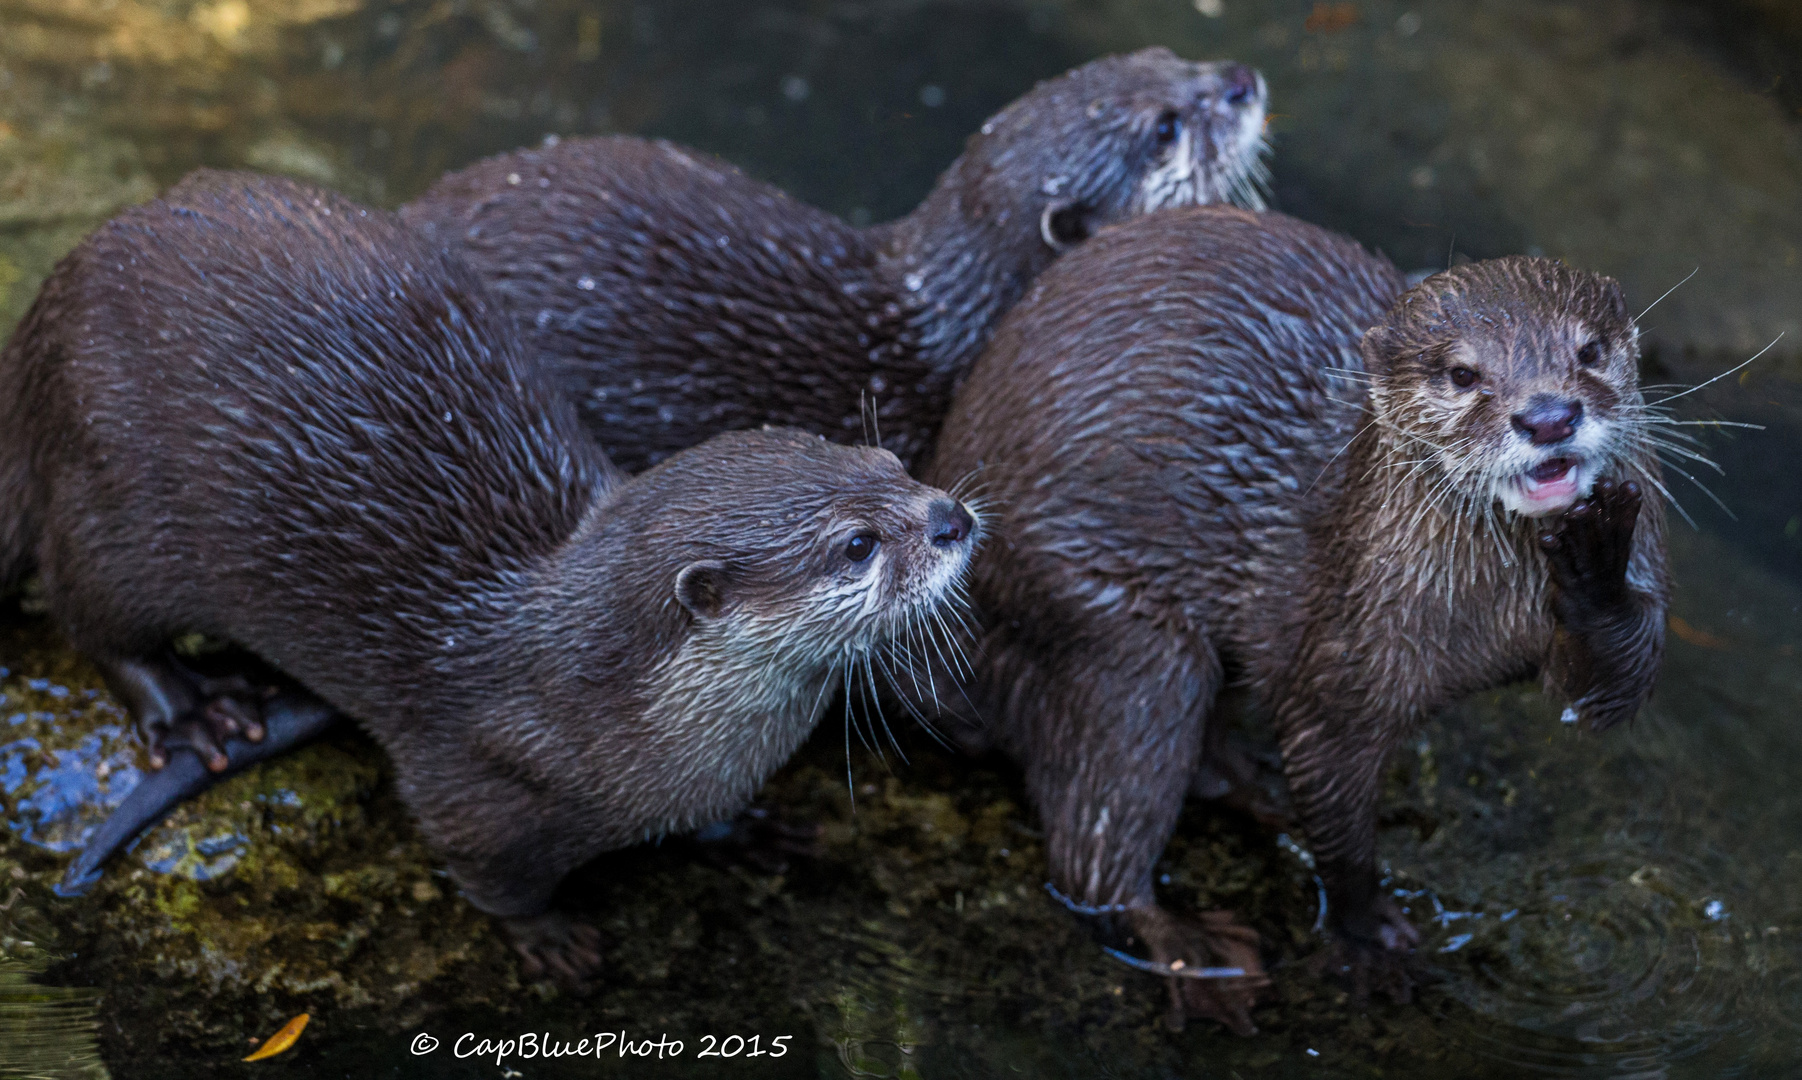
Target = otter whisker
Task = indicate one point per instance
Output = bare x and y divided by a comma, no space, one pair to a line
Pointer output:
1649,477
955,661
902,645
1685,452
1336,453
869,675
956,490
1705,490
916,632
1667,292
1723,374
912,710
1669,422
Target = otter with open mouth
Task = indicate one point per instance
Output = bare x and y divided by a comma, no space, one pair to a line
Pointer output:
674,297
1221,446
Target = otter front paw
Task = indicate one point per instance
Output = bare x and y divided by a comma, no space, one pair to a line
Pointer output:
1186,948
1588,549
1373,948
555,946
759,840
224,708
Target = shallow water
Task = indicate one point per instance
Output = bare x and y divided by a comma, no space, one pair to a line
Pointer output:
1624,906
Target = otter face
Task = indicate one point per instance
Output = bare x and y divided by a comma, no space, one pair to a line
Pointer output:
1122,136
829,550
1519,376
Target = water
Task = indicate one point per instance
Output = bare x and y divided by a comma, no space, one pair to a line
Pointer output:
1622,906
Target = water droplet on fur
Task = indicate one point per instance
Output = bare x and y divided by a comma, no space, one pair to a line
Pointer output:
914,281
585,283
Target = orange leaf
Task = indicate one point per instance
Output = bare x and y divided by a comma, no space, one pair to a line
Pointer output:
282,1039
1331,18
1696,636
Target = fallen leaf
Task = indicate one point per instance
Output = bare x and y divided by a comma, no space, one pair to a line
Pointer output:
1696,636
1330,18
282,1039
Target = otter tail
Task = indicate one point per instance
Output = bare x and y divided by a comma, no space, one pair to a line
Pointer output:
291,720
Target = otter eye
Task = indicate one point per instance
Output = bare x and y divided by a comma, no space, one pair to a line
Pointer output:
1170,126
1464,378
861,547
1590,354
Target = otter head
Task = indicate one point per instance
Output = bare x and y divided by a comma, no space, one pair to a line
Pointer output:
1117,137
1518,377
803,553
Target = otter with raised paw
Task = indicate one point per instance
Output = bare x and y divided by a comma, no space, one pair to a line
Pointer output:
674,297
1224,445
257,411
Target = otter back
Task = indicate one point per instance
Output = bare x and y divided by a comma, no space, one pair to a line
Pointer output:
677,297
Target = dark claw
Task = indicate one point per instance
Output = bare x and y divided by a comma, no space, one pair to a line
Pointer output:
1588,549
1369,967
1379,957
1212,939
556,946
232,716
759,840
228,708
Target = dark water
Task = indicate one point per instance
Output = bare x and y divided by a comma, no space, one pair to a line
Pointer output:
1629,906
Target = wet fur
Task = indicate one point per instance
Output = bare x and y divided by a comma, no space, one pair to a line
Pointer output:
675,297
257,411
1200,467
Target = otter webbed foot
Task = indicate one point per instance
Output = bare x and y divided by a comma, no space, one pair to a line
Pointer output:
760,839
177,707
1588,549
1374,951
1198,955
556,946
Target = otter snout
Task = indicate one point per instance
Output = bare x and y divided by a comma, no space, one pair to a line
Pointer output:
1548,419
948,523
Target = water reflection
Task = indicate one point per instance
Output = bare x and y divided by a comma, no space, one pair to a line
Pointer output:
1624,906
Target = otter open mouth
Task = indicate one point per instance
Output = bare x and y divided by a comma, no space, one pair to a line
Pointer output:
1550,486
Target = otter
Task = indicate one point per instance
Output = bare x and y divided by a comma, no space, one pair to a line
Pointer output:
1224,447
257,411
675,297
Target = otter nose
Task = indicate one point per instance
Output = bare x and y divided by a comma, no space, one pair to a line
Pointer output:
948,523
1548,420
1241,85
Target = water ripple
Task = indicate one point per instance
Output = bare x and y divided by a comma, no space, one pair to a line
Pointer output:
1609,966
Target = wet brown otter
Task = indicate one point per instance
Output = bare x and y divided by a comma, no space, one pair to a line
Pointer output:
260,412
1202,467
676,297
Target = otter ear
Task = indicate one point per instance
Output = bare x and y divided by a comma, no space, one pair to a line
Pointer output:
1064,223
1378,348
701,588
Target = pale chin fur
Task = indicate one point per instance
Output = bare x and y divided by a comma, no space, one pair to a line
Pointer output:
1185,180
1528,498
